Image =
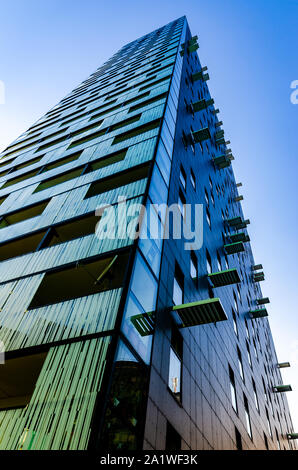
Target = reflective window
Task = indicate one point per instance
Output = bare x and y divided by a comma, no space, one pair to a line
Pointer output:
175,366
247,417
233,389
140,302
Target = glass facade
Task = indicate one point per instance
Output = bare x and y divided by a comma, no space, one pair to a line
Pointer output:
95,356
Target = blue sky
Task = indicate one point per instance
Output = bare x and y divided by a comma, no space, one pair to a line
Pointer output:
250,48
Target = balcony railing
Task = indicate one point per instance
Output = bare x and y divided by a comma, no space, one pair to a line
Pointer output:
258,313
224,278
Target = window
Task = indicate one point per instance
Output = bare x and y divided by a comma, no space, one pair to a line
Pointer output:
240,364
136,131
247,416
193,179
238,439
206,197
80,280
233,389
248,354
18,379
208,262
23,214
193,266
235,302
117,180
277,439
61,178
219,265
208,217
178,287
181,203
239,293
173,439
235,322
175,367
266,442
182,177
255,395
246,328
268,423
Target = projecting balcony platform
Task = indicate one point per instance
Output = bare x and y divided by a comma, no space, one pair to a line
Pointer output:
283,365
224,278
200,75
282,388
292,435
219,137
239,237
258,313
256,267
222,161
144,323
201,104
201,135
200,313
192,45
258,277
232,248
263,301
238,223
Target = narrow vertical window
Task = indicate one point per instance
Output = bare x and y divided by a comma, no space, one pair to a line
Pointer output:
175,367
238,439
193,266
208,262
248,354
178,287
182,177
233,389
240,364
255,395
193,179
235,322
247,417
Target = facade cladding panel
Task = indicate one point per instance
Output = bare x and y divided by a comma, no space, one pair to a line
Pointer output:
95,354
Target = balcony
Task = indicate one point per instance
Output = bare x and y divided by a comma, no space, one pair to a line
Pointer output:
224,278
200,312
222,161
256,267
219,137
283,365
238,223
192,46
238,198
258,277
200,75
263,301
201,104
239,237
201,135
144,323
258,313
282,388
292,435
232,248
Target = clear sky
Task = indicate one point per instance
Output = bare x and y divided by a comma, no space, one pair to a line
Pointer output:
250,47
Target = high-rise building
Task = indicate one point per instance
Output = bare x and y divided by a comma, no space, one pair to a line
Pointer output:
114,341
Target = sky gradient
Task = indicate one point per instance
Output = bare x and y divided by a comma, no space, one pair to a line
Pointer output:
47,48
